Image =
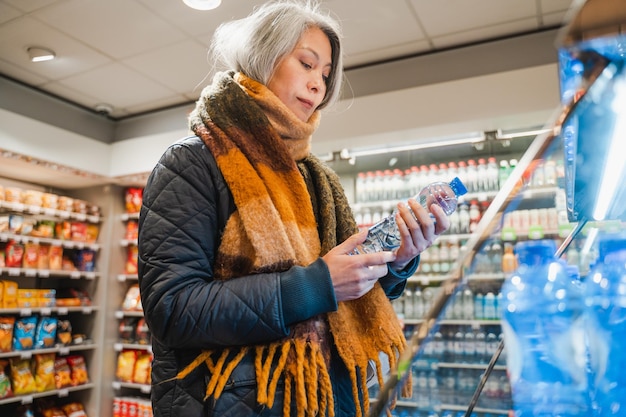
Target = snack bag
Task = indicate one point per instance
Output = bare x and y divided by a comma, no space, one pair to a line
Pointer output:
134,197
31,255
45,333
24,333
64,332
78,369
93,230
131,260
6,333
62,373
22,376
55,257
44,372
74,410
126,365
14,252
132,300
5,382
127,330
141,372
142,333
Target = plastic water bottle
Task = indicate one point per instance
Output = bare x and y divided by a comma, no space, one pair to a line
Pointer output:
605,300
384,235
540,307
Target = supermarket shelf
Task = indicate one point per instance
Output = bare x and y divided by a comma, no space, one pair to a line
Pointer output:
61,350
48,273
144,388
68,244
46,311
60,393
28,209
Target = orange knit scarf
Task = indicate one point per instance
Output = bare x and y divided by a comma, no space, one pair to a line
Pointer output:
256,142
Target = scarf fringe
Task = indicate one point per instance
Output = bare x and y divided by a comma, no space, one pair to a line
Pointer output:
299,363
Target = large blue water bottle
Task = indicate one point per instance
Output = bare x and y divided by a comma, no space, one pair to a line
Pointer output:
605,300
541,308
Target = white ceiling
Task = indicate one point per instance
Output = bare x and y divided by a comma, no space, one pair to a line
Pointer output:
143,55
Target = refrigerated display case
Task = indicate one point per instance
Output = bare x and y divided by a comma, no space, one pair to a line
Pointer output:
587,133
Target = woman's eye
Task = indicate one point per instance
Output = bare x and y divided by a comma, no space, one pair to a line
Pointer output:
305,65
325,78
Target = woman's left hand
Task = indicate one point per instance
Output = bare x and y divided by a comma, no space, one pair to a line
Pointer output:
418,232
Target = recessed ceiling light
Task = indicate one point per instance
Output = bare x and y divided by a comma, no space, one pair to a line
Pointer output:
38,54
203,4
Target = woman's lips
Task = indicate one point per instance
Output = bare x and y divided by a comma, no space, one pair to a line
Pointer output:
306,102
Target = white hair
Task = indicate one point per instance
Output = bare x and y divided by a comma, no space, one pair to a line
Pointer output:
255,44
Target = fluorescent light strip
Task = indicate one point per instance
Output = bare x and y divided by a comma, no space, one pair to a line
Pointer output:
417,146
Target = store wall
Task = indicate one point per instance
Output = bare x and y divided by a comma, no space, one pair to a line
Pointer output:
506,84
510,100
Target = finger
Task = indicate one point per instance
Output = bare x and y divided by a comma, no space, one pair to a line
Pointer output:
379,258
442,222
348,245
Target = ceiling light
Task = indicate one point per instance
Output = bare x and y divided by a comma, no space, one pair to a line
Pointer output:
38,54
203,4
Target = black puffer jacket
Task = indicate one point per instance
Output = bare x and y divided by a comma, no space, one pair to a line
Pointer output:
186,203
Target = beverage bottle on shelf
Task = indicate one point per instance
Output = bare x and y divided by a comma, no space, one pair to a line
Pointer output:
418,303
509,262
472,176
469,346
605,301
503,173
541,306
360,187
480,341
479,300
481,175
384,236
409,308
464,218
492,174
474,215
468,304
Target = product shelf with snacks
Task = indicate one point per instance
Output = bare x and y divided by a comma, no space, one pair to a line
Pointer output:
132,348
51,267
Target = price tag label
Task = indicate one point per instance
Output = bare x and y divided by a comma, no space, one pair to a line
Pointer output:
62,311
27,399
63,393
508,234
535,232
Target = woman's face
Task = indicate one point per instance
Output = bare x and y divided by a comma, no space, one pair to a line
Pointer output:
299,79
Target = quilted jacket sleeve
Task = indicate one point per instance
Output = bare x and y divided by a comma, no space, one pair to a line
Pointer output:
185,205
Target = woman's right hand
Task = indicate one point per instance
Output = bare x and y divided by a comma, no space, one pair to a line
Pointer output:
355,275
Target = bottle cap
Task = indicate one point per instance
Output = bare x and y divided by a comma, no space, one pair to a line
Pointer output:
458,187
